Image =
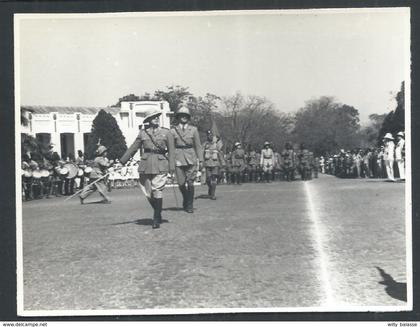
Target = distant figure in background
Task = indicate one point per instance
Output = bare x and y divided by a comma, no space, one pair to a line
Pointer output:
213,160
238,163
99,167
267,161
389,156
400,154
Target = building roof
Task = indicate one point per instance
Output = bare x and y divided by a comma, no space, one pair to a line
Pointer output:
70,110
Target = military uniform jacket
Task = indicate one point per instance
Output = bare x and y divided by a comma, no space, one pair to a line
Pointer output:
99,167
253,159
187,145
267,157
288,157
212,154
158,155
238,158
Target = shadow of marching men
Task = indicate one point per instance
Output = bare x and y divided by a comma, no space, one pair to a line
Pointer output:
393,288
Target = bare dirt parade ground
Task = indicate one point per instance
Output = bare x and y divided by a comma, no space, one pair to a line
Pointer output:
328,241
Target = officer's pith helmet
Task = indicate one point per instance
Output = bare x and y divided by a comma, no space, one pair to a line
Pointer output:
151,115
388,136
101,149
183,110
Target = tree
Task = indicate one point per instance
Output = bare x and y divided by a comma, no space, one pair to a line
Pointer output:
253,120
174,95
129,97
370,133
325,125
394,121
105,130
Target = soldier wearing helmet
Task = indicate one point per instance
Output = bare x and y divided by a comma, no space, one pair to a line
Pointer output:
188,156
288,162
213,161
267,161
238,164
156,161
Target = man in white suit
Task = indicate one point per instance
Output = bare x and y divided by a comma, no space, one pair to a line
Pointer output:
389,156
399,154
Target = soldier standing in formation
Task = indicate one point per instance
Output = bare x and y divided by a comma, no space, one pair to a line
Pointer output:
267,161
99,167
238,163
288,162
213,161
156,161
253,163
188,153
304,162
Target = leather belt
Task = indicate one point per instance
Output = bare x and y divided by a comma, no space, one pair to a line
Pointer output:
184,146
153,151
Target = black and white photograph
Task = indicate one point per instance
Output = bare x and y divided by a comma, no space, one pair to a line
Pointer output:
225,161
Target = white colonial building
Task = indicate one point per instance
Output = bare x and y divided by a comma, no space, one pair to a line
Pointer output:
68,128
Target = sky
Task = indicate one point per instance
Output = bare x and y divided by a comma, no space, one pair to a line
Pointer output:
289,57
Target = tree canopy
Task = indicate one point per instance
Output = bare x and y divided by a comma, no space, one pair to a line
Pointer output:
105,131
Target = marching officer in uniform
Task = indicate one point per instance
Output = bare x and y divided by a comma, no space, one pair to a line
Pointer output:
213,161
238,163
267,161
187,153
156,161
99,167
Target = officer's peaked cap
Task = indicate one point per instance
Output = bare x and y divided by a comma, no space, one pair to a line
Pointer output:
237,143
266,143
183,110
400,134
151,114
101,149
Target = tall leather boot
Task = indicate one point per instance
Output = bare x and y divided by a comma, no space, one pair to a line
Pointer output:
156,213
184,193
208,182
158,209
213,191
238,178
190,199
152,202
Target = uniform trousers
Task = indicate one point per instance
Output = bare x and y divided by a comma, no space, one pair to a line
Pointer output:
186,174
389,164
401,168
100,186
153,184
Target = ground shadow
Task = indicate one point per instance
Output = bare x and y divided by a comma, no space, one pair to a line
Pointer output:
393,288
141,221
202,196
172,209
148,221
96,202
